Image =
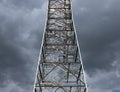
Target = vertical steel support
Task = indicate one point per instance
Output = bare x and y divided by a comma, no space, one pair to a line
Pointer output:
60,66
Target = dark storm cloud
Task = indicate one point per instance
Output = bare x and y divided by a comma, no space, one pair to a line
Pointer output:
104,81
98,28
21,27
20,38
97,23
12,62
27,4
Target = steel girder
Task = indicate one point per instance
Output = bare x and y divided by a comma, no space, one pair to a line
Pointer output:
60,66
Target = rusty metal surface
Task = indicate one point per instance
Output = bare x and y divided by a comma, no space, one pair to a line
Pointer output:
60,67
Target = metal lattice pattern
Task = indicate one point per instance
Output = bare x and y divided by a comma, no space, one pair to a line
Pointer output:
60,67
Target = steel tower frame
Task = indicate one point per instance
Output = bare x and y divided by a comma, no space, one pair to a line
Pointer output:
60,67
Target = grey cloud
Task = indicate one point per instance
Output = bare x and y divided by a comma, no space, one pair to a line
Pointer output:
20,37
12,62
27,4
21,27
97,27
105,82
97,24
12,86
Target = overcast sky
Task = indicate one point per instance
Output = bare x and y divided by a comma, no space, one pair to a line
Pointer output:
21,28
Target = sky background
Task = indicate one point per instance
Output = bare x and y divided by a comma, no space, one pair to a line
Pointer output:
21,28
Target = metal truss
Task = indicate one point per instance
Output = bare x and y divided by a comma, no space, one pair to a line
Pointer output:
60,66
